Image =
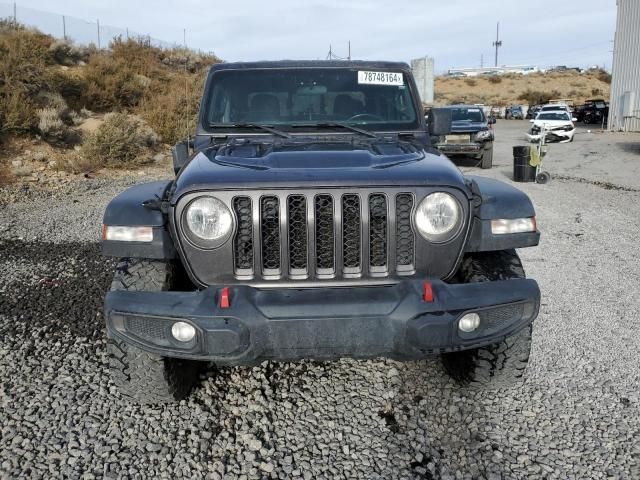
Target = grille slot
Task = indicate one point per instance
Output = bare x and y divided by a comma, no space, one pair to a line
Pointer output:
270,232
404,233
297,215
147,328
325,238
351,227
378,231
243,240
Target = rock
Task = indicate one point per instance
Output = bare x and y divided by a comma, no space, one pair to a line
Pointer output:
16,163
158,157
39,156
267,467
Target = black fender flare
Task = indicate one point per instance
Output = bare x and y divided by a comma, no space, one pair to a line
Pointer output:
140,205
498,200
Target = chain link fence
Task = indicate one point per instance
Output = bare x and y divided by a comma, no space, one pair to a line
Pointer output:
81,32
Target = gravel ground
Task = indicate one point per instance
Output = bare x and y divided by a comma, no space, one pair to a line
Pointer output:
577,416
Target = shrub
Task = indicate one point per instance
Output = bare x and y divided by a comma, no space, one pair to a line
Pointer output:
121,141
17,112
65,52
604,76
172,113
471,82
495,79
49,122
535,97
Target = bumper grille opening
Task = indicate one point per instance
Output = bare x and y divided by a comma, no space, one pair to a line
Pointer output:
243,240
270,230
378,231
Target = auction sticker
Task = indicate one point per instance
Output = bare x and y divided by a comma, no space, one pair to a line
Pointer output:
380,78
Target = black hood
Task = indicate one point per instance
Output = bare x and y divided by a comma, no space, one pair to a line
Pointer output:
242,164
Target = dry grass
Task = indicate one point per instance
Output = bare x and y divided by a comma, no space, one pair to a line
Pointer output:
516,88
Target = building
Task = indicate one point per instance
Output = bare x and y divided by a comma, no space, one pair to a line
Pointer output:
624,104
478,71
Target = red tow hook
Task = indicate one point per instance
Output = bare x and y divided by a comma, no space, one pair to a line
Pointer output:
427,292
224,298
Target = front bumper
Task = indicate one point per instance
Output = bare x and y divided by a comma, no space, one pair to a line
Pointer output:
461,148
322,323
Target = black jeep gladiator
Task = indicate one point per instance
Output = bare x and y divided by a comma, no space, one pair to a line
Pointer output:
471,135
310,217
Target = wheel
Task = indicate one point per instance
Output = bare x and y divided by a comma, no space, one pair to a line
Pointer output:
543,177
487,158
139,375
501,364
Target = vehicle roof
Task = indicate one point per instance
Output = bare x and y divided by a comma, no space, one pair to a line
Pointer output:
462,105
310,64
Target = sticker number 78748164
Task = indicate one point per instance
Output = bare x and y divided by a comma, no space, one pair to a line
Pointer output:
380,78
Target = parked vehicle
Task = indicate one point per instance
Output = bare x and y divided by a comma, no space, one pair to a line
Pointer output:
470,135
558,125
532,111
514,112
495,112
594,111
313,219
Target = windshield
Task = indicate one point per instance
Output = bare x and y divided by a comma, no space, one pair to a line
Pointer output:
553,116
310,96
467,114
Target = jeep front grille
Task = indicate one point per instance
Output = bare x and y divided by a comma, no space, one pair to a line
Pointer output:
322,236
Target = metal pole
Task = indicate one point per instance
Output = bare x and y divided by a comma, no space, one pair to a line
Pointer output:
15,16
98,22
127,33
497,43
64,28
349,50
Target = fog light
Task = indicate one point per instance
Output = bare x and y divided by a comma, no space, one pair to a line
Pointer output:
183,332
469,322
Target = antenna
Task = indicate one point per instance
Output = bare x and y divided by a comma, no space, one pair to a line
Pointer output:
186,84
498,42
349,56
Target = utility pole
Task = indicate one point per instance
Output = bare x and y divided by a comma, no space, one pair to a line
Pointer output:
498,42
15,16
64,28
98,22
349,57
482,60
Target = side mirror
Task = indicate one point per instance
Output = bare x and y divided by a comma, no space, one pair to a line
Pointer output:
180,154
532,120
439,122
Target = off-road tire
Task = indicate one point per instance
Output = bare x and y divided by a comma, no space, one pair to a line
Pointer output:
502,364
487,159
141,376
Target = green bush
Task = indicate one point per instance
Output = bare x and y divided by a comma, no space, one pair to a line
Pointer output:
495,79
121,141
536,97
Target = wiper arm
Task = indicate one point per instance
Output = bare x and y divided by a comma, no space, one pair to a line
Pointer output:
256,126
346,126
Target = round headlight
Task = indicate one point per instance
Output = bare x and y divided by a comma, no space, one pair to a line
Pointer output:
208,219
439,217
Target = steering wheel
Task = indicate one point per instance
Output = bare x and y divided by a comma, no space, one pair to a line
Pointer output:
361,116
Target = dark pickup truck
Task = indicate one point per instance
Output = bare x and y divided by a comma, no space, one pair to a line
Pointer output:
470,135
310,217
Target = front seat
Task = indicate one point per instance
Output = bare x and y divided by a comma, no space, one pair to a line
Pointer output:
264,107
344,106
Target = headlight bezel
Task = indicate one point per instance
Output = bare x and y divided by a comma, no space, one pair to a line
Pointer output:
201,242
451,234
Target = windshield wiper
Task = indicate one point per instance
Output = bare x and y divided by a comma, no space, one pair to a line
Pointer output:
256,126
346,126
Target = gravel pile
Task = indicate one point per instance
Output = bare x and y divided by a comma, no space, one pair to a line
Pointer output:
577,415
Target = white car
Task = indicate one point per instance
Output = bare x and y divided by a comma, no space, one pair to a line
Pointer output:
557,125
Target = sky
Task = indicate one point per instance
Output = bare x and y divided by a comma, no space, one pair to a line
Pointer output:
457,33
